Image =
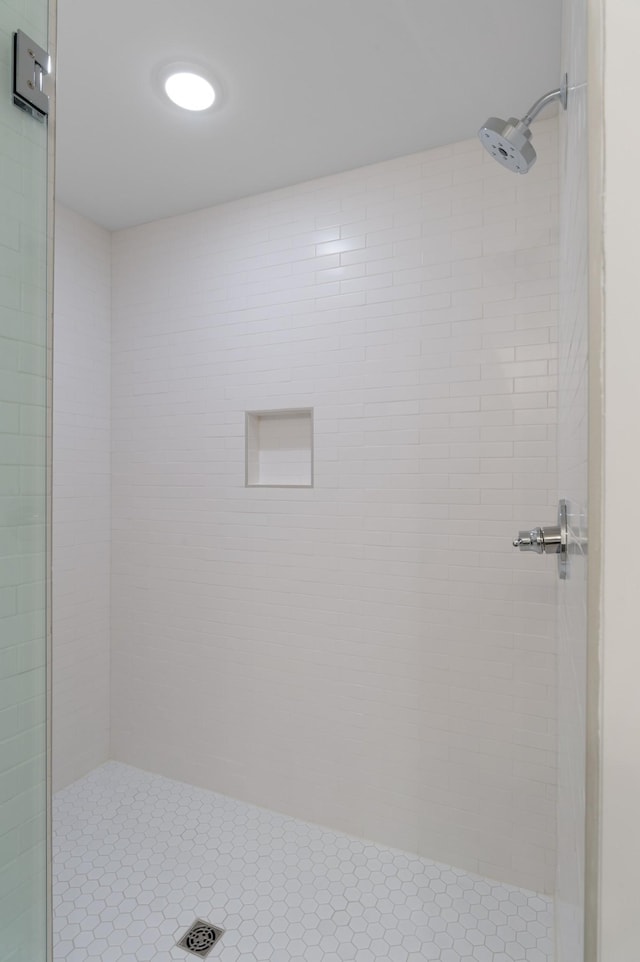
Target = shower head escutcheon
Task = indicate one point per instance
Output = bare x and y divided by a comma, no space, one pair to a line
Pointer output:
509,141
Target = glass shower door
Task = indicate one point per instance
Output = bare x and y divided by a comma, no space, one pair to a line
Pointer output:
23,505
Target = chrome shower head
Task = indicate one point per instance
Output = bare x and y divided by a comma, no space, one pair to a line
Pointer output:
509,141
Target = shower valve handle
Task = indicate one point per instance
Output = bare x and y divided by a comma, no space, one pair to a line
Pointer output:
551,539
540,540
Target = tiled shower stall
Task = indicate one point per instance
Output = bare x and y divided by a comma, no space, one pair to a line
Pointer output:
365,653
294,437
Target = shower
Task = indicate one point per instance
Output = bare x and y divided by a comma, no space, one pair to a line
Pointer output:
509,141
298,411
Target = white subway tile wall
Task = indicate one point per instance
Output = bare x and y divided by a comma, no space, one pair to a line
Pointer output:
82,497
369,654
572,479
24,382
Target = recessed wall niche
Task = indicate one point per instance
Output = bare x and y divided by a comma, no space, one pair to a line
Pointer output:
279,448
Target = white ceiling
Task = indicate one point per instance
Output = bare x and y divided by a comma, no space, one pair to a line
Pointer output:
311,87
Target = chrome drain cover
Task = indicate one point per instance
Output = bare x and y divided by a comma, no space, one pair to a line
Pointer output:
200,938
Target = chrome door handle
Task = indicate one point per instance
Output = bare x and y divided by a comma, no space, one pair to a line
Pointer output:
548,540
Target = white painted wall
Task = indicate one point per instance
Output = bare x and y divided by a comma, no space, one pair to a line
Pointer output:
370,653
620,622
572,485
81,497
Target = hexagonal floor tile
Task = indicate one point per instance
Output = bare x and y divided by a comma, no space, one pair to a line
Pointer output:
138,857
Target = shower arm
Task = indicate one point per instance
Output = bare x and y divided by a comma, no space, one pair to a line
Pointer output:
553,95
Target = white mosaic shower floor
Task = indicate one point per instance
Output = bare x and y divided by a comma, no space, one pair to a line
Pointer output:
138,857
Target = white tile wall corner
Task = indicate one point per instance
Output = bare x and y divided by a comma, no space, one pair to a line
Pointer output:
369,654
81,497
572,470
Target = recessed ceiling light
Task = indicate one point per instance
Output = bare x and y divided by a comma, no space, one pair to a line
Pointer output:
189,90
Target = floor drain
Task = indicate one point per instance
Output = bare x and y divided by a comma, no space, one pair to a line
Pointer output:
200,938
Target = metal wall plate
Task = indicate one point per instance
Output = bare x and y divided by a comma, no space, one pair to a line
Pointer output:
563,553
31,64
